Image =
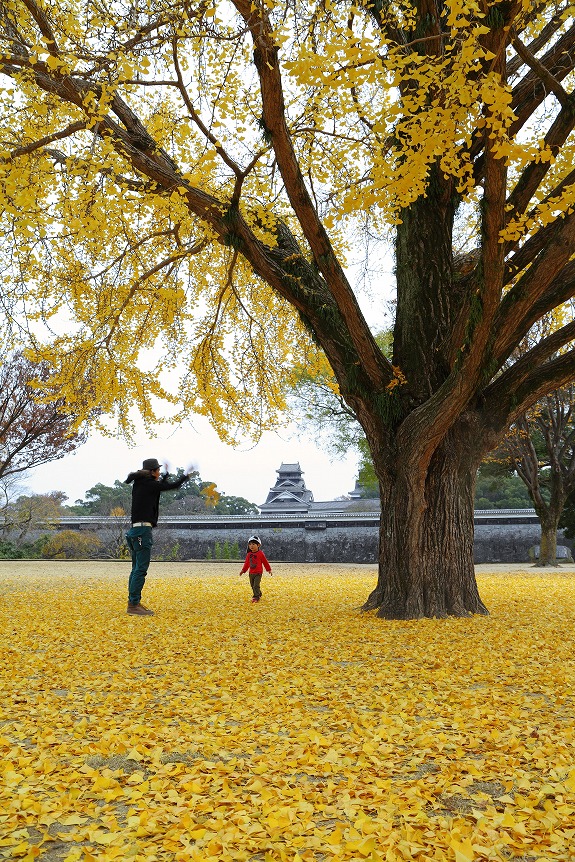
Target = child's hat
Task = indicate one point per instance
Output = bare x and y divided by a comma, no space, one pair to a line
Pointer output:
254,539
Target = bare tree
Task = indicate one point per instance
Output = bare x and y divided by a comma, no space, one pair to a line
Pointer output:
31,432
541,449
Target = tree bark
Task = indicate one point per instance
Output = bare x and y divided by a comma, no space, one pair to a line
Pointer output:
549,520
548,545
426,564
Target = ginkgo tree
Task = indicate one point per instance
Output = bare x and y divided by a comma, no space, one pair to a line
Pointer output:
191,176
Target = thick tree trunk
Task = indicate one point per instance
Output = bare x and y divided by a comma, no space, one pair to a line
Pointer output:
426,564
427,475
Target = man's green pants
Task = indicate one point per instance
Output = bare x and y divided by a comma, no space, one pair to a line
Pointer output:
139,540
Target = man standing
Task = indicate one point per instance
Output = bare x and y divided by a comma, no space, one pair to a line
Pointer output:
148,485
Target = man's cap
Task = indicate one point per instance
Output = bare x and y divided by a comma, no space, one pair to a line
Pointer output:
255,539
151,464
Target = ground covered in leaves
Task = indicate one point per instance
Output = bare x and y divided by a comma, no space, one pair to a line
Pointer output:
296,729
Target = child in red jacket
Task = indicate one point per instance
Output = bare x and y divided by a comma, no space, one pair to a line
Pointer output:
255,561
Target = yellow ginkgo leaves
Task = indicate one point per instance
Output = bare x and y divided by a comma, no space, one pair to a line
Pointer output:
297,729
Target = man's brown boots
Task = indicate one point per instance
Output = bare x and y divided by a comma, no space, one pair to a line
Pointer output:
139,610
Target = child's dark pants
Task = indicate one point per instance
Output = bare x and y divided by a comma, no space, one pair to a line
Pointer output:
255,581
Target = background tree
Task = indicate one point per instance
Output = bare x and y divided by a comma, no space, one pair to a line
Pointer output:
72,545
194,497
22,515
191,176
103,499
231,505
498,487
540,449
113,536
22,551
30,512
31,432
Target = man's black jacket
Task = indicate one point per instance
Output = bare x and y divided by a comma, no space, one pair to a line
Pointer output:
146,494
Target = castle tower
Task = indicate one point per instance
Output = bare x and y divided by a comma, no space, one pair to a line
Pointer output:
289,495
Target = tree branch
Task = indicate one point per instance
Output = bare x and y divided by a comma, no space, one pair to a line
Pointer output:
48,139
515,375
542,380
530,92
516,312
274,265
167,262
534,173
377,367
538,240
44,25
540,41
196,118
550,83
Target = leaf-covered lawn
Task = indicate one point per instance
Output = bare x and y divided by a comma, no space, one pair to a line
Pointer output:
296,729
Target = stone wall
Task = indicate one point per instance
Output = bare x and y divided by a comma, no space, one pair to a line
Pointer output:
290,543
506,543
500,536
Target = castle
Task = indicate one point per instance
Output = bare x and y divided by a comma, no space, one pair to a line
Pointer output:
289,496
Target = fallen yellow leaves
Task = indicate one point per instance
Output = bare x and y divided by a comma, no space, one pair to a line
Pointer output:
298,729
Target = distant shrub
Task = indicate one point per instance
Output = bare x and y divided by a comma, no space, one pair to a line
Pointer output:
71,545
174,552
23,550
225,551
